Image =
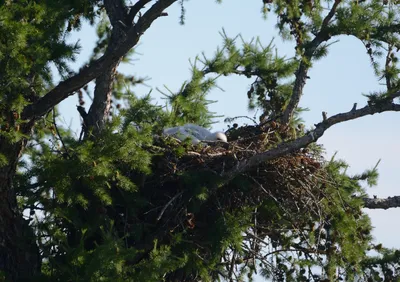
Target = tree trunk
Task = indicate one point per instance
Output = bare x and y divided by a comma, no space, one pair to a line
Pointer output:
100,108
19,254
99,111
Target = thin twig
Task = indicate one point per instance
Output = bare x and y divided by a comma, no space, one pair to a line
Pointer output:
166,206
59,135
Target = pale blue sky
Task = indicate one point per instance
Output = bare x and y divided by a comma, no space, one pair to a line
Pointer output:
337,82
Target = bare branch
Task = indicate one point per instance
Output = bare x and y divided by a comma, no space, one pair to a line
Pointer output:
166,206
291,146
301,74
382,203
66,88
330,15
387,67
135,9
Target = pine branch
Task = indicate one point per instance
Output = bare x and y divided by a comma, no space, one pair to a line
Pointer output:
382,203
66,88
291,146
301,74
385,29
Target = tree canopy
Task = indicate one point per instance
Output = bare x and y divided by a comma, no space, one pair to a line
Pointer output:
123,202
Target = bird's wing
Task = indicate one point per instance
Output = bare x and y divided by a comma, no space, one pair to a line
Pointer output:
170,131
181,133
184,132
197,131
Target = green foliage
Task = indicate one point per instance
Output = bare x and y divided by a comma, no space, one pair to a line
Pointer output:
127,207
41,27
189,104
341,239
74,198
373,23
32,38
270,91
142,114
3,160
384,266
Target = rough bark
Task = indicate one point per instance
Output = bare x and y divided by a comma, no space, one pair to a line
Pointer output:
19,254
100,108
382,203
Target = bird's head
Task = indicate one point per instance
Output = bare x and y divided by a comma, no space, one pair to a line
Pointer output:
220,136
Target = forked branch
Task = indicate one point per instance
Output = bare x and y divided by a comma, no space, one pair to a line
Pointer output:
100,109
301,142
66,88
136,8
302,71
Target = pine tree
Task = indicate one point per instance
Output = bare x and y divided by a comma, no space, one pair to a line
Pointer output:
123,202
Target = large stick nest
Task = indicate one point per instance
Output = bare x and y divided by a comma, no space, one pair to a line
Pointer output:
189,193
292,177
293,183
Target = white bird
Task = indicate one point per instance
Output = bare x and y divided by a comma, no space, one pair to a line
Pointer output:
195,133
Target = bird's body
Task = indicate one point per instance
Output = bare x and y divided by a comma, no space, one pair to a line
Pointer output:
194,132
